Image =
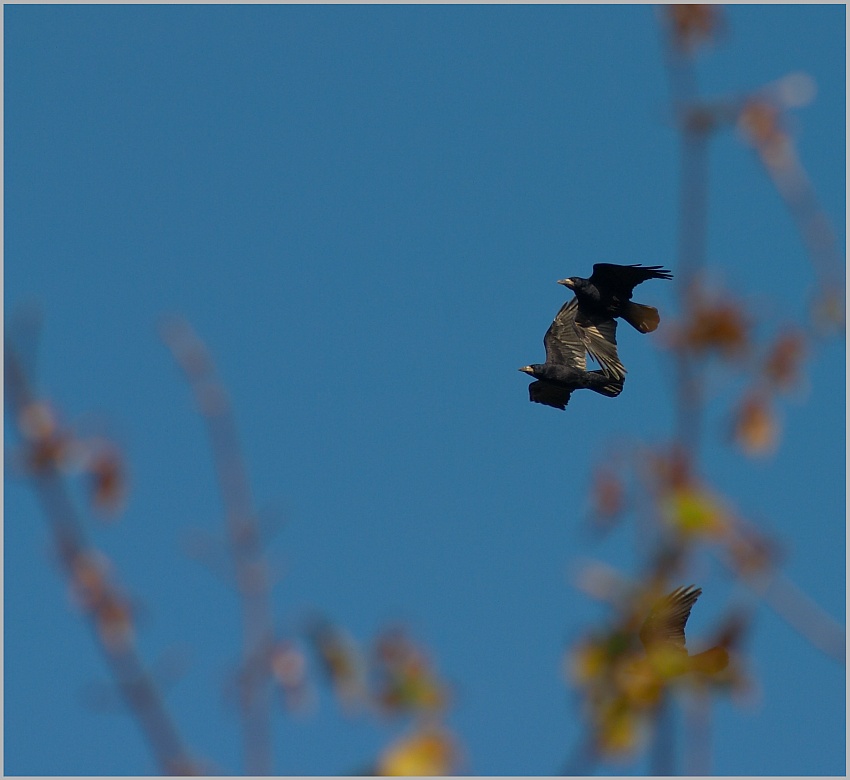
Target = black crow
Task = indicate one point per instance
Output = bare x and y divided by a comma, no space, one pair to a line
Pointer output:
565,368
608,293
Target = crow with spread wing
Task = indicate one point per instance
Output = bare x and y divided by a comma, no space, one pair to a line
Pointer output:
608,293
565,368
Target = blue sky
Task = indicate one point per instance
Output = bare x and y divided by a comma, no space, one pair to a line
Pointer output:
363,211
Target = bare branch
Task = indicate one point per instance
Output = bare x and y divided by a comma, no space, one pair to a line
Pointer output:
245,542
106,608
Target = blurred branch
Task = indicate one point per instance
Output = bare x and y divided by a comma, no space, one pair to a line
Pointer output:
45,447
698,732
761,120
245,542
662,759
800,612
684,514
688,27
804,615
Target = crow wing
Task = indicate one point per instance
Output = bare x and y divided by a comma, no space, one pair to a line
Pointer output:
572,334
563,343
599,336
666,622
622,279
542,392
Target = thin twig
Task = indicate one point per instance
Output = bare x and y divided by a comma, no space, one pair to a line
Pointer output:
806,616
663,740
698,718
245,543
803,614
105,607
694,133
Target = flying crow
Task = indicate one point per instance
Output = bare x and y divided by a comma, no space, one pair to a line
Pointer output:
565,368
608,293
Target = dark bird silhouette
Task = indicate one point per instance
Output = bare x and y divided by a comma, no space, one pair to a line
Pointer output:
663,636
565,368
608,293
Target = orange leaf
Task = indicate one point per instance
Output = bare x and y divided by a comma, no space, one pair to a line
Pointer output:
756,429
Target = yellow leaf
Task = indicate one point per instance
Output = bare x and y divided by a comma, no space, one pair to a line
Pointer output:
620,730
427,752
694,512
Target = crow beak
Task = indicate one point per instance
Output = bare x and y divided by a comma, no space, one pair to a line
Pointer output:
566,283
527,370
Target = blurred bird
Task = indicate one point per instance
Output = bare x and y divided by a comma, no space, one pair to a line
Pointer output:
608,293
565,368
663,637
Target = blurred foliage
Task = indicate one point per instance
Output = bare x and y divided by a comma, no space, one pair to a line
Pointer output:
623,686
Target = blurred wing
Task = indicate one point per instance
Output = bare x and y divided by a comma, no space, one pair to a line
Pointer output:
624,278
542,392
564,344
666,621
599,336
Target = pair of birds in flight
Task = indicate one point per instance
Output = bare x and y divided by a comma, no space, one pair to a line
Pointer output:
587,325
